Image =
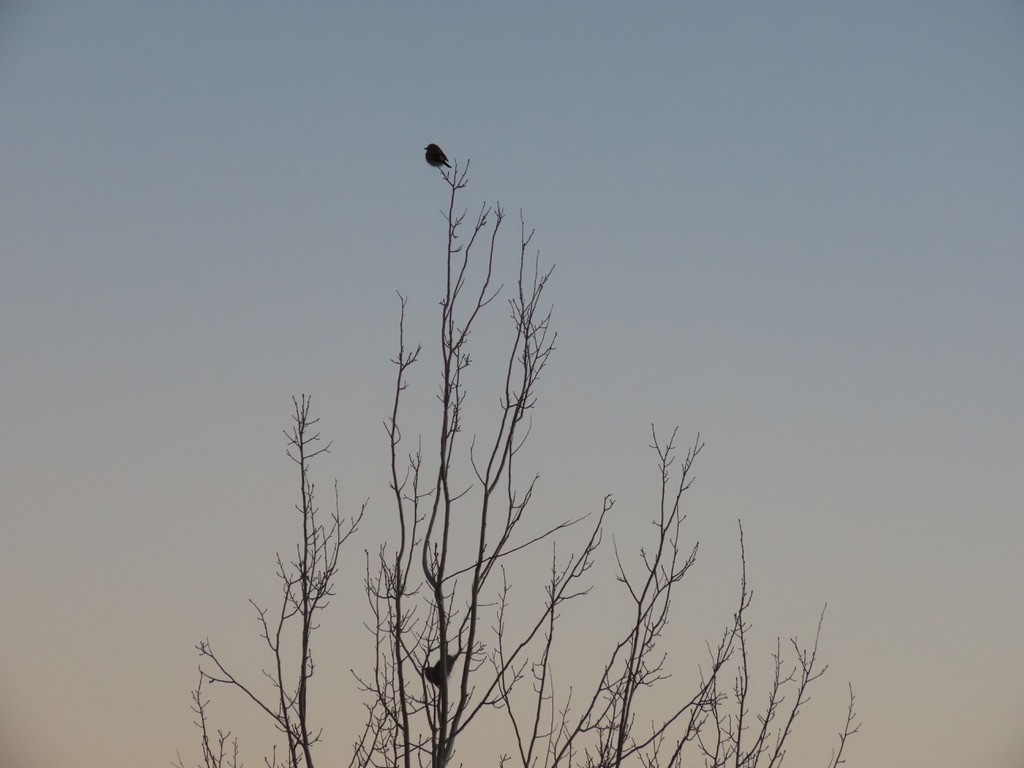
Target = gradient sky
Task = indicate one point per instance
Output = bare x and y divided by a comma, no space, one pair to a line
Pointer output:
796,227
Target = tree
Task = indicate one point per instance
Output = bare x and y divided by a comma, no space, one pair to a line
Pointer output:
307,584
450,652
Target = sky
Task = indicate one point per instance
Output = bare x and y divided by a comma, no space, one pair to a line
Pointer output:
796,228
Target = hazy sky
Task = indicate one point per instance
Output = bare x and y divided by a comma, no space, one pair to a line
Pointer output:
796,227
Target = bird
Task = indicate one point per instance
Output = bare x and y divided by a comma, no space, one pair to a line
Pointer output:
435,156
434,673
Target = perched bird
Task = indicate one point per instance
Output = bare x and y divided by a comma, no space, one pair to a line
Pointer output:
435,156
434,673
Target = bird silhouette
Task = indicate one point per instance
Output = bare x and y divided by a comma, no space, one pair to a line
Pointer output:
435,156
434,673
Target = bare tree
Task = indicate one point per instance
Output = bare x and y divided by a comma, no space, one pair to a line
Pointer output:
223,754
448,648
307,584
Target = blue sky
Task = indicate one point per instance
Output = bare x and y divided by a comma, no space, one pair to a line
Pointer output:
796,227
